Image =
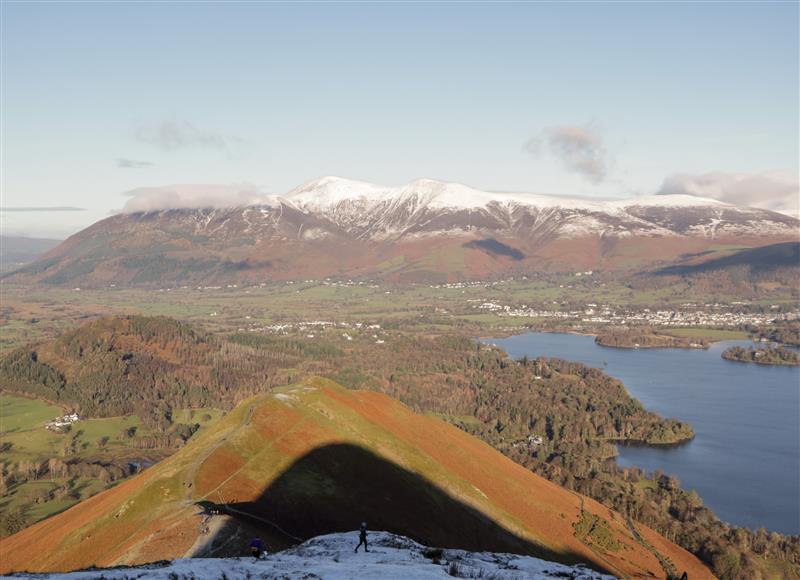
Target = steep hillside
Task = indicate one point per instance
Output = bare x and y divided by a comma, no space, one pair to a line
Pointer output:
747,273
423,231
316,458
756,261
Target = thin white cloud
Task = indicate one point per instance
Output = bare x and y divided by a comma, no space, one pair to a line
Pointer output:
42,208
777,191
175,134
192,197
125,163
580,149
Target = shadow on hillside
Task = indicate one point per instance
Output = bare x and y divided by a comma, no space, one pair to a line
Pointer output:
495,248
336,487
759,260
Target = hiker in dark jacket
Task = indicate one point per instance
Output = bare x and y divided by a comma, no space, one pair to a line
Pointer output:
362,537
257,548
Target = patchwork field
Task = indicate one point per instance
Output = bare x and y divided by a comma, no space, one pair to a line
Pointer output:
43,488
30,314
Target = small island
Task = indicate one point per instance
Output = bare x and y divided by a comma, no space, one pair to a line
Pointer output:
646,338
773,355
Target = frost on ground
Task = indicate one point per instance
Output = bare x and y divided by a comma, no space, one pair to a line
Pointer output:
332,557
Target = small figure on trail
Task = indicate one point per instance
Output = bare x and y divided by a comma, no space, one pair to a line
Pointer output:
684,576
362,537
256,548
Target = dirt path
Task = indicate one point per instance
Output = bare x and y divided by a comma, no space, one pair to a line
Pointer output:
195,466
212,524
666,564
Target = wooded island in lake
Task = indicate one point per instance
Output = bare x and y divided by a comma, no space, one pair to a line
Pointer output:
773,355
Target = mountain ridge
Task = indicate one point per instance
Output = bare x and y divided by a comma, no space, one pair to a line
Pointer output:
334,189
351,205
423,231
316,458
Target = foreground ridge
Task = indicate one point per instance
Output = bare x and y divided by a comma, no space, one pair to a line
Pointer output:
314,458
331,557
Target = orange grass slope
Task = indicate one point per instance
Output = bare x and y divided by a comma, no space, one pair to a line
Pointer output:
315,457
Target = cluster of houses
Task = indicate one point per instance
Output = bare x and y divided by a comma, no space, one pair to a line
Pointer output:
313,328
61,424
308,325
711,315
532,441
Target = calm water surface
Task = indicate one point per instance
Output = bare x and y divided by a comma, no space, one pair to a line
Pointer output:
745,458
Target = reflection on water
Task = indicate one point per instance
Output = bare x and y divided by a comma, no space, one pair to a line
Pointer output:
745,458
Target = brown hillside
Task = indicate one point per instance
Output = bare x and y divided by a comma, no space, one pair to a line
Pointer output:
316,458
247,246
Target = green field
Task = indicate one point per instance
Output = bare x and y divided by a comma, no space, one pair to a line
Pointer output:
22,431
709,333
22,423
18,414
197,416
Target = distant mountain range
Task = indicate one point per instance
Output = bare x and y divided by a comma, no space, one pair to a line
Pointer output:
16,251
424,231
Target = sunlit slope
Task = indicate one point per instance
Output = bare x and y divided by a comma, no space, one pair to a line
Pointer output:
314,458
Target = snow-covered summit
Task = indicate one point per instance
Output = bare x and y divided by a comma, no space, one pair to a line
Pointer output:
671,200
331,557
427,207
337,208
330,191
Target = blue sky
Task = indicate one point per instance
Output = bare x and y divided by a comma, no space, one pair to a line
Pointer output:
101,98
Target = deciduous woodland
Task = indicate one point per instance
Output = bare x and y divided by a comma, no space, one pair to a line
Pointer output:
785,334
774,355
557,418
647,337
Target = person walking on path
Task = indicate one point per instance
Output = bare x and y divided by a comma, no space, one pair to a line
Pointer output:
257,548
362,537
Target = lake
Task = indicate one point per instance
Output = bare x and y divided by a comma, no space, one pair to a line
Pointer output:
745,458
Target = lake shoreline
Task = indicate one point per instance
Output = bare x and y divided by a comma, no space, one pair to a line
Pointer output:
741,434
526,330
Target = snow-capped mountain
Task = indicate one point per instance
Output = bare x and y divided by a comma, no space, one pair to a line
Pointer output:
426,207
430,207
331,557
423,230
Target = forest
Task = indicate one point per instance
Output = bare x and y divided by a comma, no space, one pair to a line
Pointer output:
788,333
136,365
646,337
772,355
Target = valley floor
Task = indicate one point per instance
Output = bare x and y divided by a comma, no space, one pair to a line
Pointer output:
331,557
